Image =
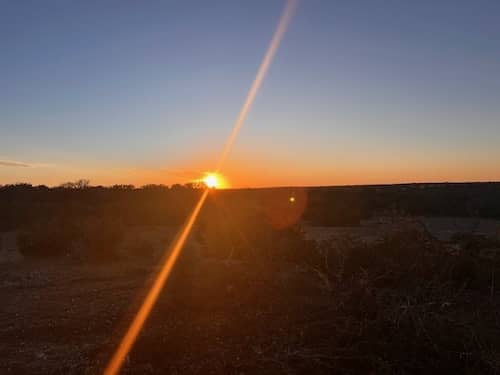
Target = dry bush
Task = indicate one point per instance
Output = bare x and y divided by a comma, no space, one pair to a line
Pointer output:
257,242
249,237
49,239
101,238
404,305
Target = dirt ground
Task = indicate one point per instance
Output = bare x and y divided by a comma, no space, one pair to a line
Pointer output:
215,317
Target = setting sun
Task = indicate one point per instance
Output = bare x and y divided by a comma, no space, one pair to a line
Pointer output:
213,181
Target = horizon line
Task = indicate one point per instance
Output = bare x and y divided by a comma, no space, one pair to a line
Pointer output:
451,182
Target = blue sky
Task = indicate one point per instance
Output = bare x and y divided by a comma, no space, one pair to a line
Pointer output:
147,91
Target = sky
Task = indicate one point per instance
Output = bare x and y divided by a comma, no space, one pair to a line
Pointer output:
359,92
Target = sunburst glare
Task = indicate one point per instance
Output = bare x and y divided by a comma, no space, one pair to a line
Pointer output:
214,181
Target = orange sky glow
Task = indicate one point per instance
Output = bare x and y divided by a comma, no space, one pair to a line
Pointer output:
242,172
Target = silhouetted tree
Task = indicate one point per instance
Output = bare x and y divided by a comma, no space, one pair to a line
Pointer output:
80,184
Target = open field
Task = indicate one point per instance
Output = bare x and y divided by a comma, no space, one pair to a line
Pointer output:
442,228
403,306
349,280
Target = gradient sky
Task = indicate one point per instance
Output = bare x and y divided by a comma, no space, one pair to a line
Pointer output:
147,91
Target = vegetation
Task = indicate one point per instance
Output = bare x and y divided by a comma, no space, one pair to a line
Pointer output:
101,238
24,205
406,303
49,239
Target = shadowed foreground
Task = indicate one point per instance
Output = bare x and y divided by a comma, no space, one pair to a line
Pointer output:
405,304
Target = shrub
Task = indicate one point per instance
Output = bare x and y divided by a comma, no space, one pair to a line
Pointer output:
47,240
101,238
251,237
410,306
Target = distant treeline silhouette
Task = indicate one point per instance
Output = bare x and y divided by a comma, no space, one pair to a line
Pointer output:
23,205
348,205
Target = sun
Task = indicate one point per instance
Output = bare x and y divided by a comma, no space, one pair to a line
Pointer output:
212,181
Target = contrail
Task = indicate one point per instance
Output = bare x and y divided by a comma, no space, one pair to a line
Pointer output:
12,163
116,362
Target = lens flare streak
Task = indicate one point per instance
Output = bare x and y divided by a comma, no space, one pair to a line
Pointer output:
133,331
116,362
259,78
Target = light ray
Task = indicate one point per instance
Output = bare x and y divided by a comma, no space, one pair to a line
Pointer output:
128,340
116,362
286,16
